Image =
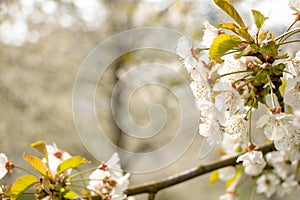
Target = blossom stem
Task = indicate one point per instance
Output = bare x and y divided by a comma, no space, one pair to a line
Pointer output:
237,72
81,178
288,34
23,169
285,71
87,179
82,187
271,90
288,42
83,172
289,28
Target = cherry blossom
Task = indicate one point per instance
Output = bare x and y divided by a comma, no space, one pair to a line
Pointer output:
292,67
232,65
210,32
289,142
185,49
253,162
55,157
228,99
230,145
296,121
210,129
279,160
3,161
236,125
295,5
108,180
292,93
288,186
267,184
275,125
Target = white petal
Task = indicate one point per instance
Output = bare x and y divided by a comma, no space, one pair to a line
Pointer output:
262,121
3,161
295,5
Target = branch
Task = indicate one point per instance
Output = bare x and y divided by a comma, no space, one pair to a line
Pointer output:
154,187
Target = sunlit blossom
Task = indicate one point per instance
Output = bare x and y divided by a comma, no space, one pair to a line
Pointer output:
108,180
55,157
3,161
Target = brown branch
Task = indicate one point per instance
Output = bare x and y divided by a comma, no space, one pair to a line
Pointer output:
154,187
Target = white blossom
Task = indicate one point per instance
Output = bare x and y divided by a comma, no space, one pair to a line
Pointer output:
200,90
280,162
253,162
290,141
230,145
232,65
296,121
55,157
184,47
210,33
292,93
287,187
295,5
276,126
267,184
108,180
210,129
236,125
293,67
228,98
3,161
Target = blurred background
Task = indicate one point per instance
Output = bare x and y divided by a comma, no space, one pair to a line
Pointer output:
44,42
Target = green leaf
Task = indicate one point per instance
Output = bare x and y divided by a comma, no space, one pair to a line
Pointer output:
20,185
214,177
259,19
70,195
243,32
221,44
228,25
41,147
37,164
71,163
230,10
269,48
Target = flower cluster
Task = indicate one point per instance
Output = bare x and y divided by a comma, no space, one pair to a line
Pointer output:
56,180
108,180
233,71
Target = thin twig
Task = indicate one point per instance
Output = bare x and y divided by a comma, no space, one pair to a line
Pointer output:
152,196
154,187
